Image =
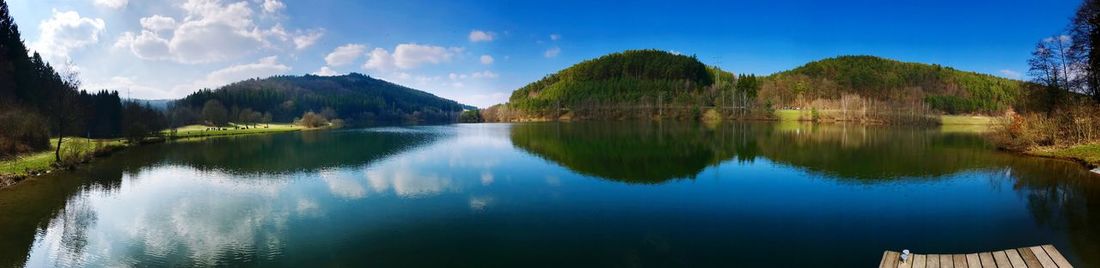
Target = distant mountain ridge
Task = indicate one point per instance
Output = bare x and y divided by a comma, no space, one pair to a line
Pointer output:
355,98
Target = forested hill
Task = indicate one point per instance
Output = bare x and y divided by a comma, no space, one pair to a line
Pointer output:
658,84
355,98
943,88
631,78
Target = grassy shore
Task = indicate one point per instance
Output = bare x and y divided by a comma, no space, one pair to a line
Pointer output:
194,131
72,148
788,115
952,120
979,120
81,148
1087,153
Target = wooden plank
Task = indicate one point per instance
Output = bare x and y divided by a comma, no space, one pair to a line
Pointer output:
972,261
1015,259
882,262
987,259
1001,258
960,260
920,261
1044,259
1057,257
946,261
906,264
933,261
1029,258
891,259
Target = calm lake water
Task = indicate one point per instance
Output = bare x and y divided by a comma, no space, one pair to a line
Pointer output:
553,194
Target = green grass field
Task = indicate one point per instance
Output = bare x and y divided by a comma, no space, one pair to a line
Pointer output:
70,147
193,131
788,115
1090,153
967,120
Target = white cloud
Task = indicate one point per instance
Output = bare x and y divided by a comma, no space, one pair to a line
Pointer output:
212,31
409,56
148,45
481,36
158,23
1011,74
552,52
219,33
265,67
555,37
115,4
484,74
474,75
65,32
486,59
307,39
128,86
379,60
326,71
345,54
272,6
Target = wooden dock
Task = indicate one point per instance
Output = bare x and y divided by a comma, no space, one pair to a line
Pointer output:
1045,256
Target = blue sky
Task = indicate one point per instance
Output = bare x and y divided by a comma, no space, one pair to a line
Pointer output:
477,52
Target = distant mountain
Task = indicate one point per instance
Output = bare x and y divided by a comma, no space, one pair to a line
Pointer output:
355,98
943,88
160,105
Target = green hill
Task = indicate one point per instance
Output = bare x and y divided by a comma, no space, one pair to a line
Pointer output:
943,88
623,80
355,98
653,83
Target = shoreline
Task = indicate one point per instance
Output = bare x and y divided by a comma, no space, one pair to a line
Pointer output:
8,180
1087,155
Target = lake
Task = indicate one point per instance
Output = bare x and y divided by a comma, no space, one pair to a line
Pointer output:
553,194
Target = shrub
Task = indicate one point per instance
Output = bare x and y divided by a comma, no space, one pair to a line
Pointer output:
1068,125
22,132
312,120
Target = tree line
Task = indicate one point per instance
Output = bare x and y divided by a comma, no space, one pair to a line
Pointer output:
1063,104
943,88
658,84
356,98
629,84
38,101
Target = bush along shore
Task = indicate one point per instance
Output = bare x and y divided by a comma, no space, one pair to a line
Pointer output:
1071,132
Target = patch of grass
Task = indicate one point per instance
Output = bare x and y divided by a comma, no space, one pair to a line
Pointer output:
71,148
967,120
1089,153
201,131
966,128
788,115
